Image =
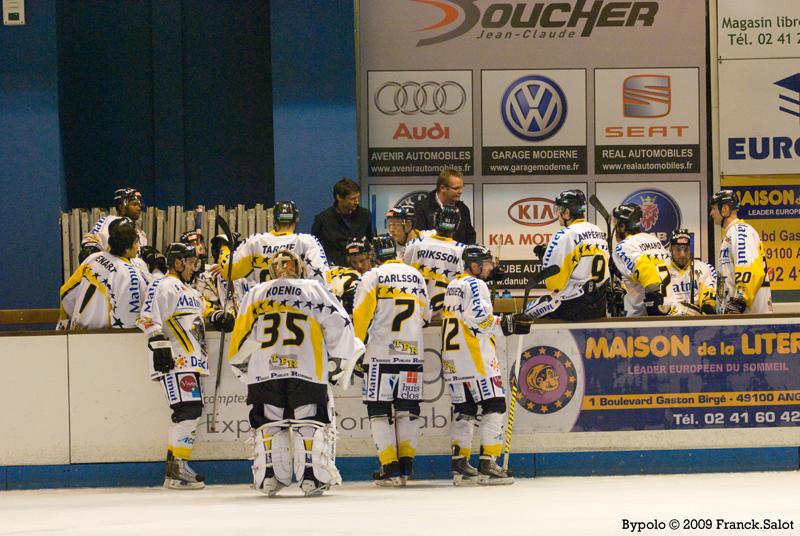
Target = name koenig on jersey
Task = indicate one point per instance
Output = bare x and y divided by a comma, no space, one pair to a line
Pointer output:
282,289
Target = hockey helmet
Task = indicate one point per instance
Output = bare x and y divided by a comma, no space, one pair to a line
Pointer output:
217,241
447,219
405,211
285,263
724,197
122,234
179,251
384,248
630,215
285,212
192,238
680,237
356,246
122,196
574,200
475,253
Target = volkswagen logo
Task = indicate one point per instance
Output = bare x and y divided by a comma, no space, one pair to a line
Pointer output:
411,98
534,108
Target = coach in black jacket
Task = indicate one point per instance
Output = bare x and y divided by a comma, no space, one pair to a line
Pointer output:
449,188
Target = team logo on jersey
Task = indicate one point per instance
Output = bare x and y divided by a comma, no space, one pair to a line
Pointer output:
284,361
660,213
547,380
398,347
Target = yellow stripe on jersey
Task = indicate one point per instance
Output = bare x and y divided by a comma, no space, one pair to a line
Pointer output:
89,275
316,343
474,347
571,261
646,272
750,278
180,334
242,327
363,314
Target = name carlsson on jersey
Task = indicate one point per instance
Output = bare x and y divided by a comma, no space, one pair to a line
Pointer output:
399,278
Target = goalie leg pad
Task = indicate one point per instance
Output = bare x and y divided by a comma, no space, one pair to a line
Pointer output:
272,465
314,456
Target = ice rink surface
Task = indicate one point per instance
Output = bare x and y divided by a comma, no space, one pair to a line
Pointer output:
541,507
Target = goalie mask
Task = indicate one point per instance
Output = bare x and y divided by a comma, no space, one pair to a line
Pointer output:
285,264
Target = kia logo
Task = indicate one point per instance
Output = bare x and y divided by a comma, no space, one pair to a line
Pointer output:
533,211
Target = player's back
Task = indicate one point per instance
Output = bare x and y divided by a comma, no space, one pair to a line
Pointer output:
643,261
252,255
580,250
438,259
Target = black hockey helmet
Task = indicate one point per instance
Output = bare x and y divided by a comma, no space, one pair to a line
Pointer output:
446,219
217,241
574,200
405,211
285,212
384,248
122,234
179,251
629,214
356,246
122,196
724,197
192,237
680,236
475,253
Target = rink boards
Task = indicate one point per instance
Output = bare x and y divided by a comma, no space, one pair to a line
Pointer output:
588,392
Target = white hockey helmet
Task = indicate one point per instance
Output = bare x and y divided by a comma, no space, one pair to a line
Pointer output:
285,263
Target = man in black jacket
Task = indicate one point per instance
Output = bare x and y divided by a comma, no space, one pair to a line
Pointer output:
336,225
449,188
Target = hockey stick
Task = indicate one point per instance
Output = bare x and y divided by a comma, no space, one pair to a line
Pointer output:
601,209
221,223
550,271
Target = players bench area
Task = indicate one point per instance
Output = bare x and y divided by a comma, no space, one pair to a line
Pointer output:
615,396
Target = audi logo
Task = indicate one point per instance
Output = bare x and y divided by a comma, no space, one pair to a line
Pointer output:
411,98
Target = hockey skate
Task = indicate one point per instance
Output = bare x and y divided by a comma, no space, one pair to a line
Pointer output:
463,473
492,474
406,469
388,476
179,475
311,486
270,486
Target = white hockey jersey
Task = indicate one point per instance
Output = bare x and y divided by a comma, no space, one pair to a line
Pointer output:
252,255
438,259
643,261
391,308
214,288
469,328
744,267
705,283
401,249
580,251
105,291
177,311
99,235
287,328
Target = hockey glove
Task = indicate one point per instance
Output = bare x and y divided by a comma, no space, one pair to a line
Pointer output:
708,308
360,369
735,306
221,321
653,300
162,353
515,324
496,275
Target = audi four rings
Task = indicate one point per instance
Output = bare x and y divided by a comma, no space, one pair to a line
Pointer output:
410,98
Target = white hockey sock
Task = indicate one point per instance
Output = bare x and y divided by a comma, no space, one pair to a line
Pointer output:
491,434
407,434
383,436
181,438
461,432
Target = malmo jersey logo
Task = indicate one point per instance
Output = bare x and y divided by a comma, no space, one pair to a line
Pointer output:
547,380
507,20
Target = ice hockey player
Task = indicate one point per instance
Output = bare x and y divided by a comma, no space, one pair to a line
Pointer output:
359,254
173,319
391,308
107,289
469,361
693,283
580,250
742,265
251,255
343,281
438,256
291,337
400,225
643,262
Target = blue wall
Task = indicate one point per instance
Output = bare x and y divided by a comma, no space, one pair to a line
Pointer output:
314,101
31,174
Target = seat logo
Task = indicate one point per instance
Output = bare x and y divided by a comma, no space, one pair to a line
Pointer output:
534,108
647,95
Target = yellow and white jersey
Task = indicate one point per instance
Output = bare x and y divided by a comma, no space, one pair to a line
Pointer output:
105,291
99,235
288,328
177,311
744,267
342,279
643,261
705,283
401,249
438,259
214,288
252,255
391,308
580,251
469,328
